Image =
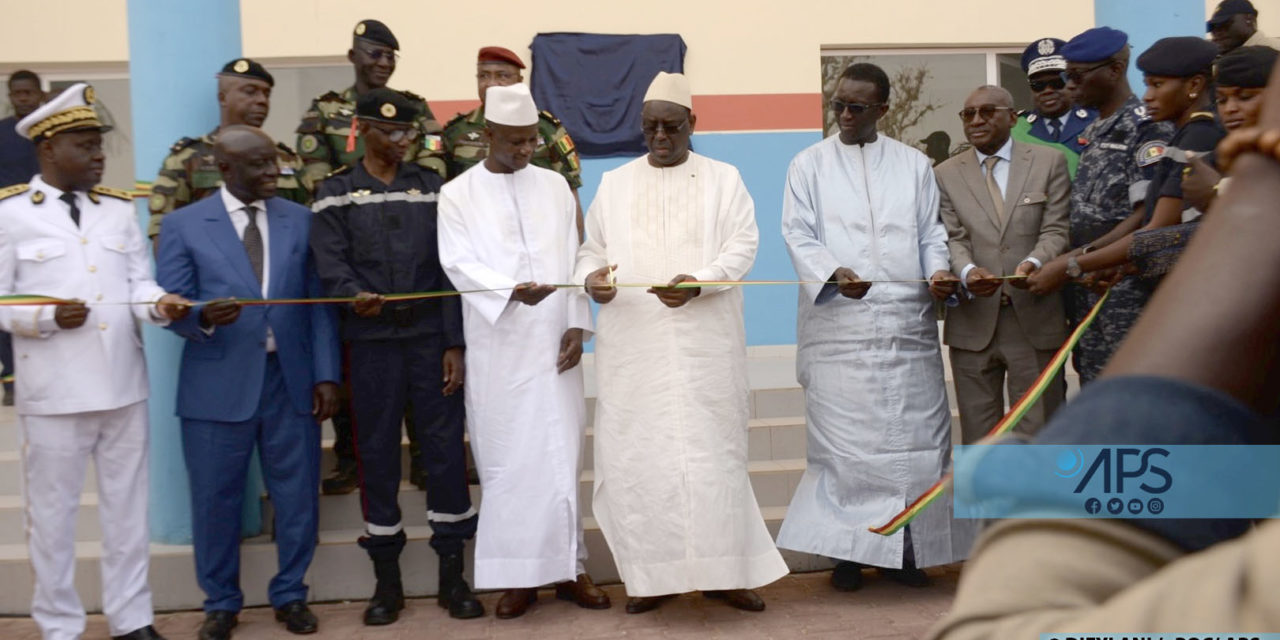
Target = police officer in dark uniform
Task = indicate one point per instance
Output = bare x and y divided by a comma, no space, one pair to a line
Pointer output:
375,234
1121,149
1054,119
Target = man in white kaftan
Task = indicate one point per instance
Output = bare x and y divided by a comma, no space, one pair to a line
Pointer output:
504,227
672,494
860,207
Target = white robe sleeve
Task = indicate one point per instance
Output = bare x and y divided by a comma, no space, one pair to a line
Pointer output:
934,256
801,231
592,254
463,266
738,236
577,306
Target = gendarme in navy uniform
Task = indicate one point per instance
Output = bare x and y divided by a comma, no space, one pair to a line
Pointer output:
375,233
1115,170
1054,120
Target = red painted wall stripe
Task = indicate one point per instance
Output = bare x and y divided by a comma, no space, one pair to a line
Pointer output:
724,112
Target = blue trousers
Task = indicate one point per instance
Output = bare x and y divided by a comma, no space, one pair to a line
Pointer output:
217,455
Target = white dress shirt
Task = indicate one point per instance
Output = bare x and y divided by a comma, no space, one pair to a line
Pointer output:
1001,173
238,211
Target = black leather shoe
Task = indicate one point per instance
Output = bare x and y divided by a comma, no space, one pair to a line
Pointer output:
847,576
218,625
297,618
383,610
145,633
344,480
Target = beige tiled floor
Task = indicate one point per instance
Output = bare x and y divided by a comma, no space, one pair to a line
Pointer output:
799,606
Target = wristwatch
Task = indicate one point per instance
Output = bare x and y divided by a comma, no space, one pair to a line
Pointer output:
1073,268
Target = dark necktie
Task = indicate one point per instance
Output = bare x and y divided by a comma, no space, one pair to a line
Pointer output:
253,242
70,199
1055,129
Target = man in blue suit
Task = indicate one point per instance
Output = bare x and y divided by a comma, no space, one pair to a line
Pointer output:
250,375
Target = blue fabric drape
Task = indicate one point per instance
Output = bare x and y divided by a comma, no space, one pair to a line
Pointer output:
595,84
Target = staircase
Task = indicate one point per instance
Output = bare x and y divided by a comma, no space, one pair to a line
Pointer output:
341,570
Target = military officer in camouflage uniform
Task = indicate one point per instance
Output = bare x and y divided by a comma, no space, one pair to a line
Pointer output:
464,142
326,138
1122,148
190,173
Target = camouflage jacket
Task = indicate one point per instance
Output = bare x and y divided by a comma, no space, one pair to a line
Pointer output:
189,173
465,147
322,135
1118,161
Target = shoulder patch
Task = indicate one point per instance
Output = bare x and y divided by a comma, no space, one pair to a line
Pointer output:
183,144
554,120
113,192
1141,112
1150,153
9,192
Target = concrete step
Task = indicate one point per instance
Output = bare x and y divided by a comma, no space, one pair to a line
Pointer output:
340,570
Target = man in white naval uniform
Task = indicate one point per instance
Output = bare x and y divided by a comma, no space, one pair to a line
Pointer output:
82,390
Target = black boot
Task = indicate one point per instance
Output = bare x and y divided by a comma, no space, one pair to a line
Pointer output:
388,596
455,593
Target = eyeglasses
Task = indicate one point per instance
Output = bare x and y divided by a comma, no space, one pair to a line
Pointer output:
400,133
1076,75
1057,83
856,108
652,128
378,54
986,111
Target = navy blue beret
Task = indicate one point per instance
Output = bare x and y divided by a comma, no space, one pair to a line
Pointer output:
1178,57
1095,45
1246,67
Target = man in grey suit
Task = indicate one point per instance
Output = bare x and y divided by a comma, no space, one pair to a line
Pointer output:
1005,205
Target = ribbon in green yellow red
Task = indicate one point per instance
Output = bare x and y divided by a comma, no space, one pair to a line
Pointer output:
1010,420
24,299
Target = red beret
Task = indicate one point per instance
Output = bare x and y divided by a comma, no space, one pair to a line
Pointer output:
498,54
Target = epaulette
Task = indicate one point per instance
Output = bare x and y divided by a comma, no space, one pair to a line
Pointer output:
456,119
183,144
339,171
329,97
286,148
1201,115
554,120
10,191
413,96
113,192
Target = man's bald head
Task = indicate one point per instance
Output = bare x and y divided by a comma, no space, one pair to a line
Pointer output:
988,117
992,94
248,161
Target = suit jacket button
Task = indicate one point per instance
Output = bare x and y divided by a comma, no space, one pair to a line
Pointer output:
102,326
93,269
84,241
1026,200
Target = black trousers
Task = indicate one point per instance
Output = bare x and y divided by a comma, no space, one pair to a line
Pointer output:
387,375
6,358
344,443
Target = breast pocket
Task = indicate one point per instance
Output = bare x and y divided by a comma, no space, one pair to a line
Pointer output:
41,251
1029,208
118,247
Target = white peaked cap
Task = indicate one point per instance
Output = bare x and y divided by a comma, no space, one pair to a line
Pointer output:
512,106
670,87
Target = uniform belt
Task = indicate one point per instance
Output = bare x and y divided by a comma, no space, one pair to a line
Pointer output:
1005,300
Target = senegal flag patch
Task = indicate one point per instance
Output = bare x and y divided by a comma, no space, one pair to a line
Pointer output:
432,143
565,145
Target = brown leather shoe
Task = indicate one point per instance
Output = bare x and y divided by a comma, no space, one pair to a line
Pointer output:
515,602
744,599
641,605
584,592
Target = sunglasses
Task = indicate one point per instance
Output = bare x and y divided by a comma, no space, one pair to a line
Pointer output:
653,128
854,107
399,134
378,54
1057,83
1078,75
986,111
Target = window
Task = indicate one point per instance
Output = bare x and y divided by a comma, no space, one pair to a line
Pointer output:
927,88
